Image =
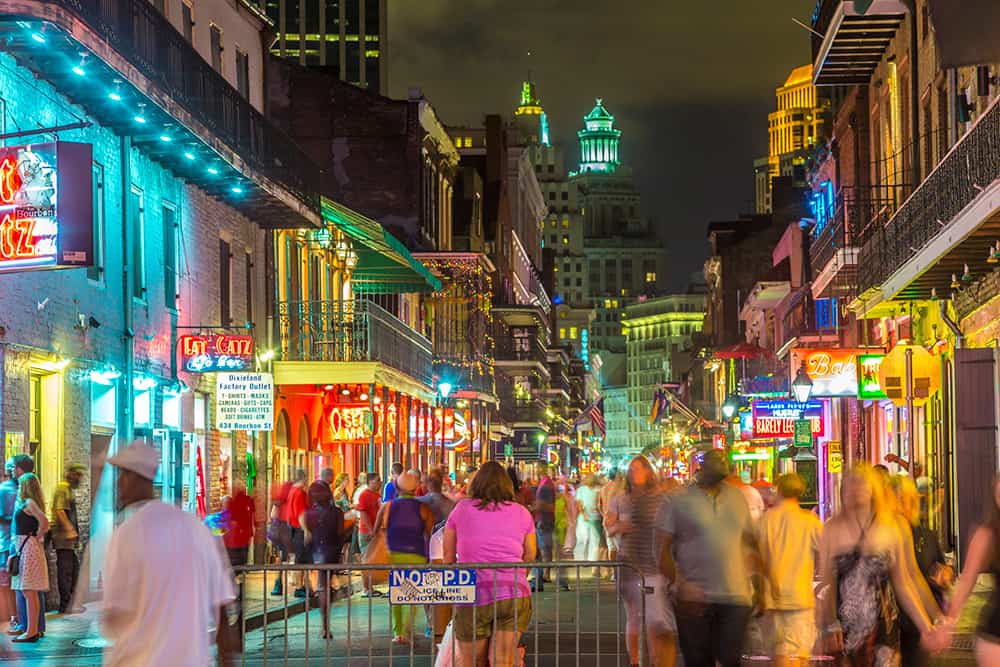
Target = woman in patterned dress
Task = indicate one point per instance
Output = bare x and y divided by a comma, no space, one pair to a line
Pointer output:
29,527
864,574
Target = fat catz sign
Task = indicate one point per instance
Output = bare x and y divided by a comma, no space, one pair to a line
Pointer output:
215,353
46,206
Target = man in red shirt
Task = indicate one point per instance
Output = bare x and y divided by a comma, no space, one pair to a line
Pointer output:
239,530
368,504
292,509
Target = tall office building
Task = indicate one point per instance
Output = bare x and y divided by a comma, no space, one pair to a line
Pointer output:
624,257
793,128
344,37
562,227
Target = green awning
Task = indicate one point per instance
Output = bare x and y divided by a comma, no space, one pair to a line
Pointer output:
384,264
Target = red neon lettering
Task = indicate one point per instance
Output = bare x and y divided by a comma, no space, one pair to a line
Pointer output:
10,180
17,238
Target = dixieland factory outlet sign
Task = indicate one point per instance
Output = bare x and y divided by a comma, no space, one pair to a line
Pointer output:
244,402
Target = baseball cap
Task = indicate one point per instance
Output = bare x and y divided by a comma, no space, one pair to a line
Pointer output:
139,458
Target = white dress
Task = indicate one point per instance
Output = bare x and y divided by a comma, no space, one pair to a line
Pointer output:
34,566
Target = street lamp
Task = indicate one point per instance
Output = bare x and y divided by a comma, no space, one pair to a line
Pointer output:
444,388
802,385
730,407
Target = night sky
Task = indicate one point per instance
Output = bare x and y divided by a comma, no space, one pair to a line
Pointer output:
690,84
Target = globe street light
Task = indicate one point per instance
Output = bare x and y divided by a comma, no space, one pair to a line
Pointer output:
802,385
730,406
444,388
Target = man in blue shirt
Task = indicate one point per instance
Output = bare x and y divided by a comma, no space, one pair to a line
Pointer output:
8,498
389,492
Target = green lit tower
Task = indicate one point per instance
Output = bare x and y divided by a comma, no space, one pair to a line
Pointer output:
530,116
599,141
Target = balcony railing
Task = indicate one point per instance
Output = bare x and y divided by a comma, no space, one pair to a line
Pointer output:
520,348
972,165
530,410
856,213
356,330
151,44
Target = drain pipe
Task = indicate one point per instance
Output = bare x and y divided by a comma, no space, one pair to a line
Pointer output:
951,324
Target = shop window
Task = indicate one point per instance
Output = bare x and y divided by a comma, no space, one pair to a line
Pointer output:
187,20
215,37
243,73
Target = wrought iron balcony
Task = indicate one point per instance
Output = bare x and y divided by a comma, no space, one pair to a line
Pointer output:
521,348
147,65
839,233
355,330
971,166
848,41
523,411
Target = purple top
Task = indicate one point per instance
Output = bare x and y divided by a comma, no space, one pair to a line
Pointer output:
406,531
494,535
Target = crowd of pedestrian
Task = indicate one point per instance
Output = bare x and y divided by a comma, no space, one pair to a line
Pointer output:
31,528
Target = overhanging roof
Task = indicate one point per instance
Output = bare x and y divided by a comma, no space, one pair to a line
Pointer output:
853,39
384,264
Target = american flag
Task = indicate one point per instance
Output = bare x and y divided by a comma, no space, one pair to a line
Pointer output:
595,413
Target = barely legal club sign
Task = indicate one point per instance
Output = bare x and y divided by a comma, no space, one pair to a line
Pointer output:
215,353
46,206
776,419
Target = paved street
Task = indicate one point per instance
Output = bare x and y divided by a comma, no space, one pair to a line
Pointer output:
582,627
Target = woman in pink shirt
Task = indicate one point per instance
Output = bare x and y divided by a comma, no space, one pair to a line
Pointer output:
490,527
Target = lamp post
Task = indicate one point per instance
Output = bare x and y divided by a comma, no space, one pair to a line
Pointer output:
444,390
729,409
802,385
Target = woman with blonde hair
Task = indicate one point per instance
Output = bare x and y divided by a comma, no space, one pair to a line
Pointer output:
864,570
30,525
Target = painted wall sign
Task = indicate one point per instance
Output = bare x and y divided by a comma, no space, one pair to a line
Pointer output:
210,354
46,206
776,419
244,402
834,372
869,383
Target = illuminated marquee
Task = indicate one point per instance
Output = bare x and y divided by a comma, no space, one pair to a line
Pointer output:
46,206
355,423
207,354
834,372
776,419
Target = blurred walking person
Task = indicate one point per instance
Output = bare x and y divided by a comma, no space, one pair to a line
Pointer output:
28,551
589,524
239,527
408,525
544,511
632,518
323,528
490,527
863,576
166,583
934,572
983,557
707,547
564,535
279,532
367,507
788,537
610,493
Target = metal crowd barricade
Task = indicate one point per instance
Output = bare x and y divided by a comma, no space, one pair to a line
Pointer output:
582,626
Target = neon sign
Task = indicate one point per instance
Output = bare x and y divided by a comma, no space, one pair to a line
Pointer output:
46,206
356,423
206,354
834,372
869,385
776,419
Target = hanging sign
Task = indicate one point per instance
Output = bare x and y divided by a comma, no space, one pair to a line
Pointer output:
46,206
834,457
244,402
925,369
209,354
834,372
776,419
803,433
869,383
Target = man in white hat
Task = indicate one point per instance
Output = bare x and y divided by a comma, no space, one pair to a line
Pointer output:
166,584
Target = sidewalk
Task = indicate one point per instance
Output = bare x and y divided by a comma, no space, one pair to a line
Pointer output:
552,638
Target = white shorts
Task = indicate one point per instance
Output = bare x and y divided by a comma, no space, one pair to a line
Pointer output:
659,610
790,633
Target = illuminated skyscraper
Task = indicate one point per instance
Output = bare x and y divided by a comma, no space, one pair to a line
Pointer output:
345,37
530,117
599,141
793,129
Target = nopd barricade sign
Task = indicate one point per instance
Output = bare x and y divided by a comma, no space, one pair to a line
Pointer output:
416,586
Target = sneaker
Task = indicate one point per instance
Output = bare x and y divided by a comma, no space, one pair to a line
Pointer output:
276,591
15,629
300,592
540,588
565,587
